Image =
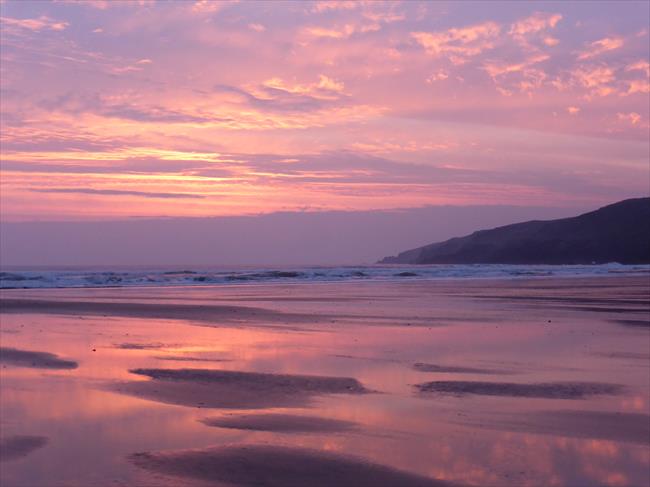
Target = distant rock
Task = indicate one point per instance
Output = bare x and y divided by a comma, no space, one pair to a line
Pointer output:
616,233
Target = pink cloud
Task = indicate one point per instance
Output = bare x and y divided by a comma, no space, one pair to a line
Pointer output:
41,23
458,44
439,75
632,118
637,86
598,80
495,69
551,41
601,46
642,65
325,6
208,6
340,32
98,4
537,22
383,12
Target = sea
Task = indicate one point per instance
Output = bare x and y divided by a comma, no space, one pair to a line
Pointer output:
84,277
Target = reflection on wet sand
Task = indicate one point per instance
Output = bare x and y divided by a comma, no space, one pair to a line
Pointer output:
300,362
627,427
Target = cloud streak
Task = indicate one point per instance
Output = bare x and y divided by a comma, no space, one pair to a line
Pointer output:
117,192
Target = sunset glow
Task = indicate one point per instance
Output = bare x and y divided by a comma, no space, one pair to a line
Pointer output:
118,109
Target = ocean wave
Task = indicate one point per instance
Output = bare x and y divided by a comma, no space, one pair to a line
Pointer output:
201,277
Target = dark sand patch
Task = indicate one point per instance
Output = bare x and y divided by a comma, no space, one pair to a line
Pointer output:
634,323
569,299
283,423
450,369
632,311
234,389
627,427
624,355
37,360
139,346
184,358
14,447
550,390
274,466
370,359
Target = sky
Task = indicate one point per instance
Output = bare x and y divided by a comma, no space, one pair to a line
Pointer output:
120,110
274,239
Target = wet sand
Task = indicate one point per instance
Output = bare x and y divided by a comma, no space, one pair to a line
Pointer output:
343,384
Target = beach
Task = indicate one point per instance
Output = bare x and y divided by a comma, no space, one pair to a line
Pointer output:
523,381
